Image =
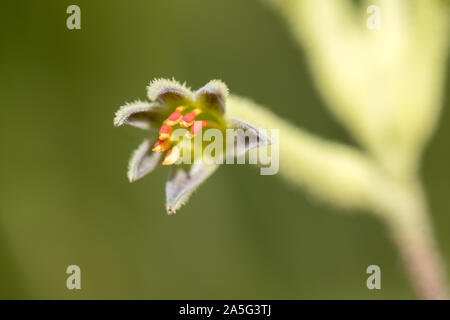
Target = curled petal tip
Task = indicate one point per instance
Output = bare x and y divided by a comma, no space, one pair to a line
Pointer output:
142,161
137,114
196,127
170,211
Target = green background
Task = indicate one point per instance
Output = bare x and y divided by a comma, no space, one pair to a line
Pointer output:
64,194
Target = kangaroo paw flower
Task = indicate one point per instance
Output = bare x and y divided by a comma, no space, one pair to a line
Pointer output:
173,107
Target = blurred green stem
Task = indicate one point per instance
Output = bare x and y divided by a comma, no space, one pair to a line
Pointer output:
385,87
415,242
408,221
352,179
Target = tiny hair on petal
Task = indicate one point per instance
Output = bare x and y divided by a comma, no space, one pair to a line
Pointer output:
261,139
169,91
213,95
137,114
143,161
182,182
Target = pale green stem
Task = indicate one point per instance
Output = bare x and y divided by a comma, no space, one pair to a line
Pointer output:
349,178
402,206
347,62
411,230
337,173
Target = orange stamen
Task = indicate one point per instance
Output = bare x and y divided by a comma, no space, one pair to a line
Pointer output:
161,146
189,118
175,117
165,131
171,156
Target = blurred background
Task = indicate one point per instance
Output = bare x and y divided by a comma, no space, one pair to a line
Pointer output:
65,198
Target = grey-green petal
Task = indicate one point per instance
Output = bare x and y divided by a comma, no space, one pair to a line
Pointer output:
256,137
143,161
138,114
213,96
170,92
183,181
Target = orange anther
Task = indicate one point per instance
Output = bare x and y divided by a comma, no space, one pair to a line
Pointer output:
161,146
165,131
189,118
175,117
171,156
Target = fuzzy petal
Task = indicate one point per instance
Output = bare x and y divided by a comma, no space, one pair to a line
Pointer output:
182,182
257,137
171,92
143,161
213,95
138,114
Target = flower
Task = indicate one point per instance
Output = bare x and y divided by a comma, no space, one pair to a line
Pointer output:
171,107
